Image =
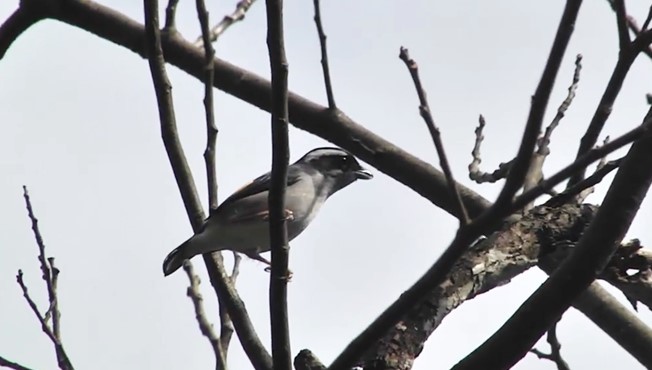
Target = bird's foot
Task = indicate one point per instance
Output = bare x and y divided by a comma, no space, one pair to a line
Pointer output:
287,277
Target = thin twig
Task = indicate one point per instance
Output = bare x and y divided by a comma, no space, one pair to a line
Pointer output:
227,295
62,358
581,197
592,253
324,57
204,325
633,26
238,14
211,180
12,365
544,141
474,168
211,128
281,351
226,324
555,349
435,134
570,193
594,155
50,275
621,20
540,100
170,17
603,110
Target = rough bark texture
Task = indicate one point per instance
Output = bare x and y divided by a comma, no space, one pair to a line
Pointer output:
489,263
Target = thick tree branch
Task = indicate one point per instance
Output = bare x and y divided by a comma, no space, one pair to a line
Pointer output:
337,128
511,342
23,18
278,305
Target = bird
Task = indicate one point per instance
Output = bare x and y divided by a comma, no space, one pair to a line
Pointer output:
241,222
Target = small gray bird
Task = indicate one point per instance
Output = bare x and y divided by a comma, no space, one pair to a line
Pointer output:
240,223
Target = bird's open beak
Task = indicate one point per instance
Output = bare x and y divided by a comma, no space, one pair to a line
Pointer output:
363,175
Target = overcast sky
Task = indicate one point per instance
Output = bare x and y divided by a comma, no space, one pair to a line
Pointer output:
80,129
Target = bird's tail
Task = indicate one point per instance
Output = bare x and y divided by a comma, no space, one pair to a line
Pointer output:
175,259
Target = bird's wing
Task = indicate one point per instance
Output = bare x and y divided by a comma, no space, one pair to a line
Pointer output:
253,201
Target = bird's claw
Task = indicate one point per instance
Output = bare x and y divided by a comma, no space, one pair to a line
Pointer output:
287,277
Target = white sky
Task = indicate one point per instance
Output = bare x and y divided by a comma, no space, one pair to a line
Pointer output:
80,128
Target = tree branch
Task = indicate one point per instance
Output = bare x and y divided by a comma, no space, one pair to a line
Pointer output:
238,14
281,351
512,341
18,22
259,357
540,100
324,57
12,365
424,110
204,325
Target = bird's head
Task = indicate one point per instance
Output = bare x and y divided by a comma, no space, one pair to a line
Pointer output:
339,167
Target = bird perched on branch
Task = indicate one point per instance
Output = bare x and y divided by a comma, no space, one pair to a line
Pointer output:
240,223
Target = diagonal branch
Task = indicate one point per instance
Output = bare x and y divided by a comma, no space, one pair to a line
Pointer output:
512,341
204,325
259,357
540,100
466,235
50,275
424,110
238,14
418,175
12,365
324,57
281,351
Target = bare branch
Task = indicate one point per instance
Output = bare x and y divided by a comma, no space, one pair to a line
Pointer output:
227,295
625,61
424,110
62,358
581,163
555,349
50,275
324,57
238,14
211,128
341,130
204,325
439,270
621,21
474,168
23,18
12,365
540,99
568,194
630,270
512,341
633,26
306,360
170,17
544,142
226,324
281,351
